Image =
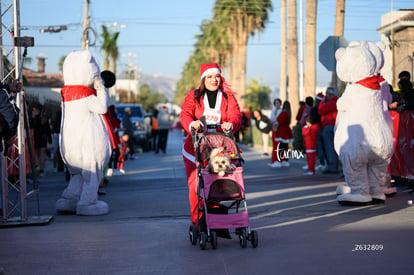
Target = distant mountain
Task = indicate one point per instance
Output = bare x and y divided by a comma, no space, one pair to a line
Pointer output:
162,84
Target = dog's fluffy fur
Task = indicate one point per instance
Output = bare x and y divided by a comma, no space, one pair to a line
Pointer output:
219,162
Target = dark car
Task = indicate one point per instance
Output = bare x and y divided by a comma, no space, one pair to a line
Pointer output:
142,130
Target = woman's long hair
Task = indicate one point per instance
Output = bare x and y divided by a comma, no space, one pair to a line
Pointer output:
224,87
286,107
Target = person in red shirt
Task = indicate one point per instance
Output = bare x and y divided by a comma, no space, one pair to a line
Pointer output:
310,136
328,111
214,100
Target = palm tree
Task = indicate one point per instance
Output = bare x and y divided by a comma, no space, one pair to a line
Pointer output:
310,65
211,46
241,19
110,48
283,48
293,90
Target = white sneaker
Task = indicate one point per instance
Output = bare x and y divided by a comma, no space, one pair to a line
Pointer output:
122,171
305,167
116,172
285,163
109,172
320,167
276,164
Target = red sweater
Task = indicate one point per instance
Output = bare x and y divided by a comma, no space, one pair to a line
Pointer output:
328,112
310,136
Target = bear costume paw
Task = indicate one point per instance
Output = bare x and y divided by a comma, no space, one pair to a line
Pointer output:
96,209
64,205
354,199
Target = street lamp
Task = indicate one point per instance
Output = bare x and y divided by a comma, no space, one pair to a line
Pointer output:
130,56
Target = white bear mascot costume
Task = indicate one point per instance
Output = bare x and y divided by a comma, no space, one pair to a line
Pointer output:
363,138
85,142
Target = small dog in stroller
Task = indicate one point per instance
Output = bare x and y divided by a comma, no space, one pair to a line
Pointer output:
219,162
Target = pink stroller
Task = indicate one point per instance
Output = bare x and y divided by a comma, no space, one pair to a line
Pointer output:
221,199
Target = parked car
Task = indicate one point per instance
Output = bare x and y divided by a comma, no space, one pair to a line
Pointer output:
142,131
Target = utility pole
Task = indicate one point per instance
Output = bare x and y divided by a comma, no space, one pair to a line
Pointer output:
301,92
339,32
283,52
86,24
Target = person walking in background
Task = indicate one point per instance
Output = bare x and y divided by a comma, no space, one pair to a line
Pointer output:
154,130
277,104
58,164
306,110
264,124
328,112
310,136
316,118
299,114
123,151
41,134
163,128
116,126
214,100
281,136
129,130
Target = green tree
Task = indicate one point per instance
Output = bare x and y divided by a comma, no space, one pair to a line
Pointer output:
223,40
150,98
241,18
110,48
257,95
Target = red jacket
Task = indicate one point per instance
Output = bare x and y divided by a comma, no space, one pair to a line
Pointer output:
310,137
191,111
328,112
283,133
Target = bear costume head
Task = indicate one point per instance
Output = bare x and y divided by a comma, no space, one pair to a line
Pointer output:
80,68
355,62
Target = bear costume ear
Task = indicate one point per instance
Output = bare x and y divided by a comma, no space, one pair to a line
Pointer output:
364,43
381,45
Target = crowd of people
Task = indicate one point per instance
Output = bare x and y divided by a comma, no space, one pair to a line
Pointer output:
316,118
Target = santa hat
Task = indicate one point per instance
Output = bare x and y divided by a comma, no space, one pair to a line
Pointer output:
211,68
320,96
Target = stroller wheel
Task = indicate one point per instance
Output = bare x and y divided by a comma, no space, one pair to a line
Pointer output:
193,234
243,238
203,240
254,238
214,239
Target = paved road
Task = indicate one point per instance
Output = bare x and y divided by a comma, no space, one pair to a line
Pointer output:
302,229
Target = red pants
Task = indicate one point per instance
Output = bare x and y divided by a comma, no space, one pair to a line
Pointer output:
191,172
311,158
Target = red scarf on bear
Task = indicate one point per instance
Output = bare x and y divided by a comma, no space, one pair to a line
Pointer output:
372,82
76,92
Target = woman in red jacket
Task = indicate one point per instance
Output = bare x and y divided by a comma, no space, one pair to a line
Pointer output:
216,102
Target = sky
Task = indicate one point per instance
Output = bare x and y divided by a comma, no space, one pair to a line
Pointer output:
158,36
